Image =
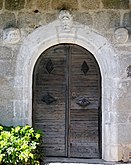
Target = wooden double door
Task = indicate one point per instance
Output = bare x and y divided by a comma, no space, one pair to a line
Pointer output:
66,102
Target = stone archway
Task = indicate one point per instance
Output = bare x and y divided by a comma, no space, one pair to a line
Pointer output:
52,34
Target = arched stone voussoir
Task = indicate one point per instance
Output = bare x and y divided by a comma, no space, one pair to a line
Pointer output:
52,34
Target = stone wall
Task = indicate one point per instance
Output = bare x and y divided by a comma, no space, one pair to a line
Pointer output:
19,18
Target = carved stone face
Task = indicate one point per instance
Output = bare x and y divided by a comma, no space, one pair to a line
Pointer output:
66,20
121,35
11,35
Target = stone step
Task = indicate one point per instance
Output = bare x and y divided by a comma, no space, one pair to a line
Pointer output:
107,163
74,161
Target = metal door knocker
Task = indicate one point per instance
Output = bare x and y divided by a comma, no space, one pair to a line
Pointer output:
82,101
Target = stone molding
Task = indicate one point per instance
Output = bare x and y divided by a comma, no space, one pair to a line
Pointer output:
49,35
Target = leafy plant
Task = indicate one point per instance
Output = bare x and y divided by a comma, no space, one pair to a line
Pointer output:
20,145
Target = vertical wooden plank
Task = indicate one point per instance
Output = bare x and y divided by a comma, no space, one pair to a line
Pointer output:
84,134
67,101
50,82
69,98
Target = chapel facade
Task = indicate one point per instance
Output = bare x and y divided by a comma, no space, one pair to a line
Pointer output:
66,70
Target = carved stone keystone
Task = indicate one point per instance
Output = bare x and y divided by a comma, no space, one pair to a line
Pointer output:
66,20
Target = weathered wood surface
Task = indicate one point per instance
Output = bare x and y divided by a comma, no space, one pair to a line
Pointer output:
70,130
83,119
51,118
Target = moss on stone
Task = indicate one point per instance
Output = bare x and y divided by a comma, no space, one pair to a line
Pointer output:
30,4
115,4
90,4
64,4
14,4
1,4
43,4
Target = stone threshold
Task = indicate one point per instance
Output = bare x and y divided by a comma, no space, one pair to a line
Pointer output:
77,161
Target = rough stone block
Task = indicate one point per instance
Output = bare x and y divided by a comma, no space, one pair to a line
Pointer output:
7,68
124,132
1,4
83,18
104,20
127,19
21,112
7,114
119,117
124,104
7,20
14,4
27,122
115,4
44,5
15,50
29,20
90,4
5,53
125,61
51,17
110,36
6,91
64,4
18,121
30,4
124,48
18,109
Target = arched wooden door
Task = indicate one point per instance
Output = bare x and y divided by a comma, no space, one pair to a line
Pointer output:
66,102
